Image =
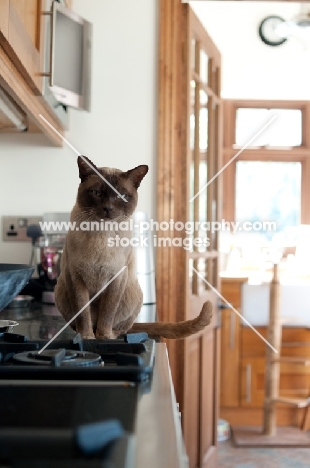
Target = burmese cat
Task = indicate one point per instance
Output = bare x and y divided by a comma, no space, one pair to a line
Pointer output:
88,263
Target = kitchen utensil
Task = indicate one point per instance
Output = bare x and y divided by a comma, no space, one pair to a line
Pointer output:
34,232
7,326
13,278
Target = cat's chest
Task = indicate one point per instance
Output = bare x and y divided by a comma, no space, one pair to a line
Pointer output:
97,253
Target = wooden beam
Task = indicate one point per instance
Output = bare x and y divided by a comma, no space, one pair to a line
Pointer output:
172,288
272,374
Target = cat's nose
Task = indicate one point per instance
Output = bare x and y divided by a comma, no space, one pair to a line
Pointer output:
107,210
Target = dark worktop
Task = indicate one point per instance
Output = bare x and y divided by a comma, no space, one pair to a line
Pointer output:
158,429
38,321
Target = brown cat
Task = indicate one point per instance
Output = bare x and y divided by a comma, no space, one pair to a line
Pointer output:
89,263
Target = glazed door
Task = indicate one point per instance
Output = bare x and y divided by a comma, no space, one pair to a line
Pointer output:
204,165
189,158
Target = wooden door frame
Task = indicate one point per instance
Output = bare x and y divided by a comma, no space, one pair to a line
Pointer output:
172,288
191,359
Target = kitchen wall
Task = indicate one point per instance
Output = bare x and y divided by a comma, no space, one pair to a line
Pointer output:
252,69
120,131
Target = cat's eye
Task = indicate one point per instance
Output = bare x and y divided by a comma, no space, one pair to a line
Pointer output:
97,193
123,197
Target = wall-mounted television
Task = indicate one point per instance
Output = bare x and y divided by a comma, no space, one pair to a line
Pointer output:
70,57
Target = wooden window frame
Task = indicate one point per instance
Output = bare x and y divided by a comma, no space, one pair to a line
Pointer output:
295,154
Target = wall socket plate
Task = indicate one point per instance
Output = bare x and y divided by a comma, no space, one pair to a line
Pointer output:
14,228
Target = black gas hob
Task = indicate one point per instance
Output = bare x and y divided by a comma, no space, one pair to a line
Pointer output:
73,403
129,358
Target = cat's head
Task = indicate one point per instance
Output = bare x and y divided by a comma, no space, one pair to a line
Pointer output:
106,193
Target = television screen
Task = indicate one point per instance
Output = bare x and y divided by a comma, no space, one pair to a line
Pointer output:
70,58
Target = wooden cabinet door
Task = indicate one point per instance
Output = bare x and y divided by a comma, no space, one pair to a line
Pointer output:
21,37
4,19
230,358
252,382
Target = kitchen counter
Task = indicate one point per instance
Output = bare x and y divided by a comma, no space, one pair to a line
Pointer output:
159,441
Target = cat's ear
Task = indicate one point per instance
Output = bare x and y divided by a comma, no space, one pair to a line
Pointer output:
85,169
137,174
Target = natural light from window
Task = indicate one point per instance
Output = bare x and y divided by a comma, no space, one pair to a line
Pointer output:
268,191
284,131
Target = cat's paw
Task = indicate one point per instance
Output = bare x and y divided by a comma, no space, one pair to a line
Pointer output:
88,336
106,335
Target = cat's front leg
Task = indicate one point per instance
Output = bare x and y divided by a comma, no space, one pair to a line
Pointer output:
108,306
78,299
83,324
70,297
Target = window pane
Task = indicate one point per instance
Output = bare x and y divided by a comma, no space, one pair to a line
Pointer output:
204,63
203,97
248,123
192,130
203,234
285,130
193,54
203,129
268,191
192,92
203,180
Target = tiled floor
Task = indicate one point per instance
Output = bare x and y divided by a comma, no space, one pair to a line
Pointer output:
232,457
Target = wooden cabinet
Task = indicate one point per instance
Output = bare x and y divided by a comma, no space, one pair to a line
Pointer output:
243,367
4,17
251,383
21,62
20,39
230,342
230,359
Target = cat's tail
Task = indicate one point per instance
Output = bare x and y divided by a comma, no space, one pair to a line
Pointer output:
179,329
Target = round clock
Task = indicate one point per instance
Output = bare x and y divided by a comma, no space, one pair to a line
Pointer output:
269,30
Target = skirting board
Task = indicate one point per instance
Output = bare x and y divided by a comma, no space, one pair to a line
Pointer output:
251,436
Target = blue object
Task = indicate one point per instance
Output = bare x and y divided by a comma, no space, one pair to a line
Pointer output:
93,438
13,278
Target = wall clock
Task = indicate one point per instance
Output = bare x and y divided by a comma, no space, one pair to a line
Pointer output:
271,30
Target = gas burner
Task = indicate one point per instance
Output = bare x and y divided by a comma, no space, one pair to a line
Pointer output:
59,358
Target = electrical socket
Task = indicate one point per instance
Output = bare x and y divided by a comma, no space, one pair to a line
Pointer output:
14,228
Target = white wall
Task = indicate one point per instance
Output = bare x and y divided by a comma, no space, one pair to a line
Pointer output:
119,132
252,69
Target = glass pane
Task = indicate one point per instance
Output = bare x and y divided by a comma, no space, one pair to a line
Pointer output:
215,87
204,63
192,130
248,123
193,54
285,130
203,175
203,97
267,191
203,232
191,189
192,92
203,129
202,268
